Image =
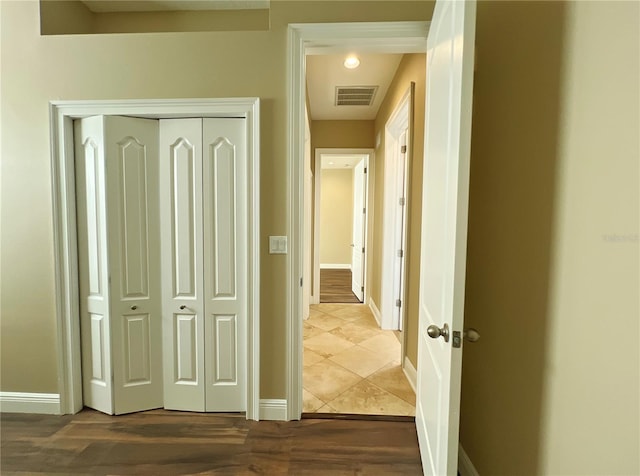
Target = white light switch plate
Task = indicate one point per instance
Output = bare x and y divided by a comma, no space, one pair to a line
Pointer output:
278,245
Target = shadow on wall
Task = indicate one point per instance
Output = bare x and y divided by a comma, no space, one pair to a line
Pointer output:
514,153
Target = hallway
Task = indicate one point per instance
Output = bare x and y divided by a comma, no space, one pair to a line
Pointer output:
351,365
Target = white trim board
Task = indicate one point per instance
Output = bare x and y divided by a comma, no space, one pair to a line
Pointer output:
411,373
375,311
465,466
335,265
273,409
64,221
321,38
22,402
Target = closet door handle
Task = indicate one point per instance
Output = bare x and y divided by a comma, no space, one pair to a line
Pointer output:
133,308
183,307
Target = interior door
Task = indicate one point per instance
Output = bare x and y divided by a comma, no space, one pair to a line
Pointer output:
182,263
450,51
224,175
131,148
93,264
119,257
359,222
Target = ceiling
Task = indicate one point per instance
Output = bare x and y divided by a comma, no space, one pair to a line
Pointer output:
326,72
340,161
104,6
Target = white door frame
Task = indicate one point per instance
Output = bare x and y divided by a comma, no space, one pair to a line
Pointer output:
317,181
65,238
321,38
399,121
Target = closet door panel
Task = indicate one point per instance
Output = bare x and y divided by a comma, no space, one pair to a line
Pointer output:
93,264
225,250
131,147
182,263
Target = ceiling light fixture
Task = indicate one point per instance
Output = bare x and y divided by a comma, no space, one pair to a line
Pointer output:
351,62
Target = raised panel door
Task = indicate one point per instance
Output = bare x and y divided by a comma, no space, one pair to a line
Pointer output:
131,149
225,262
93,264
182,263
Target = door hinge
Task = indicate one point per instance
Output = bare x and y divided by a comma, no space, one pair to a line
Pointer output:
363,249
403,149
300,282
398,303
401,201
362,289
365,170
400,253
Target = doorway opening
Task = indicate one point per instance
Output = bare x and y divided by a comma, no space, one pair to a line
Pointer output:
339,319
340,212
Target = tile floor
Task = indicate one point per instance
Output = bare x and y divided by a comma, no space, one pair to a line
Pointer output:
351,365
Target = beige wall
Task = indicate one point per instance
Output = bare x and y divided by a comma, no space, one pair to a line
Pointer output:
412,68
552,386
336,216
341,135
37,69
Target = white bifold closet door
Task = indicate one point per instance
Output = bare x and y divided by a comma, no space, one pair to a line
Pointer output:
203,177
119,263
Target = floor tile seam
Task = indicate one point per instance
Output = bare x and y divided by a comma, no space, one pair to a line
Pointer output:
323,402
345,368
393,395
391,392
360,380
368,375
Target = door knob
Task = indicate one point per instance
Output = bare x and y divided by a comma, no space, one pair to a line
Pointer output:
133,308
435,332
183,307
471,335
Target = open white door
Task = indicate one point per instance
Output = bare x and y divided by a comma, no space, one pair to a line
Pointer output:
359,229
450,50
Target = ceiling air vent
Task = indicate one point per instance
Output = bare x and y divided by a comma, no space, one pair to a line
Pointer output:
355,95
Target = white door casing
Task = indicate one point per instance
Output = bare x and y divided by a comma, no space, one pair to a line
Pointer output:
225,260
359,228
120,212
309,295
450,50
182,263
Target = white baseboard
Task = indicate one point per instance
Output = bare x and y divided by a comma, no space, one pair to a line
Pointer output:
465,466
21,402
375,311
335,266
410,371
273,409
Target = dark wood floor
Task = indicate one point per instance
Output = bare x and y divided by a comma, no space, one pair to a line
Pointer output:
160,442
335,286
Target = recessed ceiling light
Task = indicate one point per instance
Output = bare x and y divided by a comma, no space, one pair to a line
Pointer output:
331,163
351,62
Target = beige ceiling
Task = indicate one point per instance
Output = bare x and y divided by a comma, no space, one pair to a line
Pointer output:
103,6
325,72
